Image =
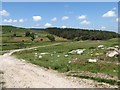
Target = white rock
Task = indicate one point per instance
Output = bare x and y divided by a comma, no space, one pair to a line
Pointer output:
36,53
51,54
100,46
66,55
78,51
58,55
112,54
44,53
92,60
40,56
116,46
110,48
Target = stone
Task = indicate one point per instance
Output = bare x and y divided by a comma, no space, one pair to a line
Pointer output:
92,60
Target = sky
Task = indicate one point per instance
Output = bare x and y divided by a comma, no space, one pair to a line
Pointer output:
84,15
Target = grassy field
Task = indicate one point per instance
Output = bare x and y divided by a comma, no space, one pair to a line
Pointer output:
58,57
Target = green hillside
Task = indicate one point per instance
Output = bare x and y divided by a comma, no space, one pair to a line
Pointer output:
9,31
15,37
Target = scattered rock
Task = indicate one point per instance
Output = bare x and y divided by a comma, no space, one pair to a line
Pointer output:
78,51
74,60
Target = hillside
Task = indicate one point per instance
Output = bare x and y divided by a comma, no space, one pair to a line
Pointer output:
9,31
14,38
82,34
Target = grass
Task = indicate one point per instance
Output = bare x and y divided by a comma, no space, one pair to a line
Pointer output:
109,81
56,58
12,46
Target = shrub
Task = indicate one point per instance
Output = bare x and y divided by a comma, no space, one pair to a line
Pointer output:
51,37
27,34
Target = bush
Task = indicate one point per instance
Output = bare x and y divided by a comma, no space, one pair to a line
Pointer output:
32,36
14,35
51,37
27,34
77,38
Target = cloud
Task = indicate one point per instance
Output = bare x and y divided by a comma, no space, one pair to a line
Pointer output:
54,19
82,17
13,21
85,22
114,8
64,26
48,25
4,13
7,21
118,19
65,17
109,14
37,18
21,20
103,27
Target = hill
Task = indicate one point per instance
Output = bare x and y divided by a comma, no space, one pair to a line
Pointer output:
17,34
82,34
15,38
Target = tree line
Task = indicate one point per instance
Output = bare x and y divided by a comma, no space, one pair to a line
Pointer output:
82,34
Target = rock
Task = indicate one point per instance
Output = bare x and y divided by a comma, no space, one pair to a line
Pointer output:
78,51
74,60
66,55
92,60
116,46
36,53
100,46
44,53
40,56
112,53
51,54
97,54
58,55
111,48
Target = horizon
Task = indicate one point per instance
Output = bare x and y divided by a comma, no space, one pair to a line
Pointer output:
91,15
60,27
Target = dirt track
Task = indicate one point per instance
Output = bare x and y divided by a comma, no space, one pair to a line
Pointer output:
20,74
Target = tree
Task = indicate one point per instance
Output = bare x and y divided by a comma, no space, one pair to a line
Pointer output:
27,34
32,36
77,39
51,37
14,35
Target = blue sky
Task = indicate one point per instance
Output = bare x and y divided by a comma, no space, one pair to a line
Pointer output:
90,15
